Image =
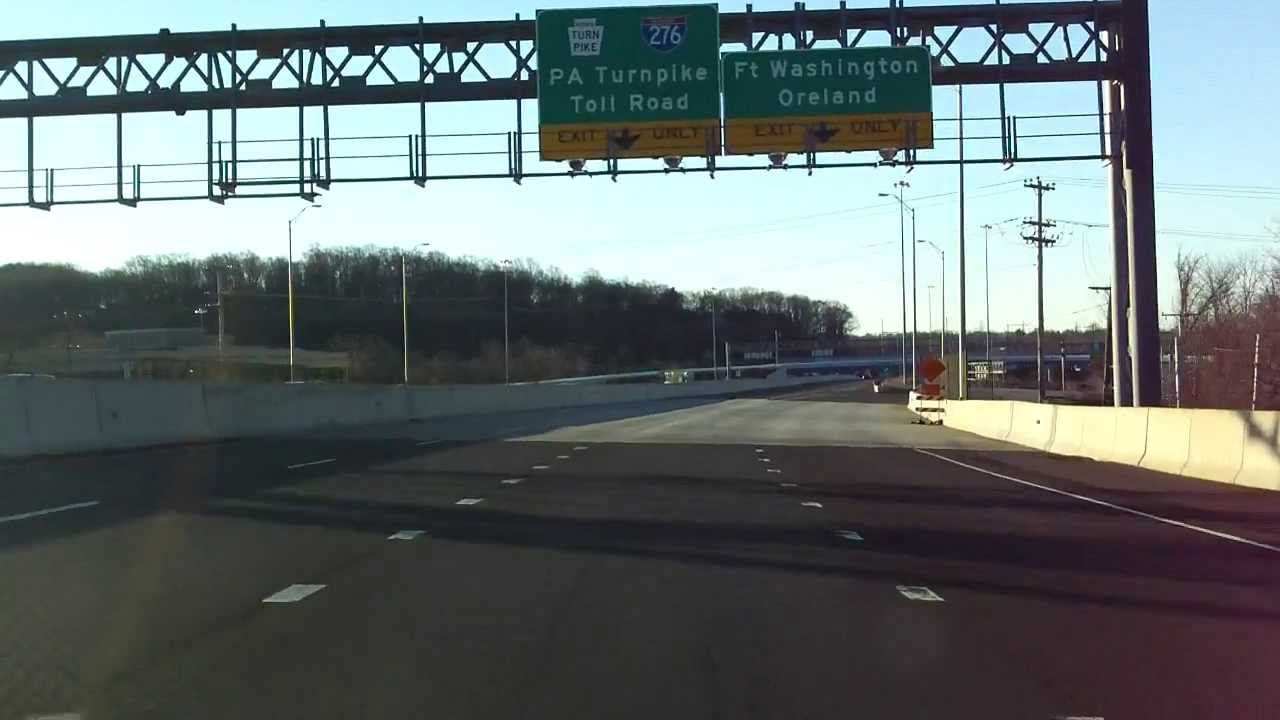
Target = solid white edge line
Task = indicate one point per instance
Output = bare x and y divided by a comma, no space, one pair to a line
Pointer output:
49,511
1104,503
426,443
315,462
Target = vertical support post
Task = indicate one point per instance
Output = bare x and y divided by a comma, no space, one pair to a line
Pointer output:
290,288
1257,357
119,134
221,318
422,105
209,131
518,149
324,80
404,314
302,125
915,297
728,362
31,138
235,95
986,276
1139,169
1040,314
1177,372
1121,365
715,365
963,356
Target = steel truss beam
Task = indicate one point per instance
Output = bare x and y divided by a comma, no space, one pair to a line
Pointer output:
327,66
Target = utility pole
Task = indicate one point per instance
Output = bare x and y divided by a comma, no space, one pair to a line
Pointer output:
1040,240
1106,352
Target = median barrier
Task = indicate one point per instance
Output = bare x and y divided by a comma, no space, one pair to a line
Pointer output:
1098,436
15,434
1168,436
1215,448
1032,425
149,413
1260,456
989,418
61,416
1068,428
1131,436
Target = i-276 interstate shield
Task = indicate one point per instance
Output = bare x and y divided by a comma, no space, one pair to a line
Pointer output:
629,82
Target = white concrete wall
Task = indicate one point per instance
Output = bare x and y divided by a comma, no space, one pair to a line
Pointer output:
1228,446
39,417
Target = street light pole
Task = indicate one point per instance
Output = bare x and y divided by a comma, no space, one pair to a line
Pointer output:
404,309
963,359
902,241
986,274
289,269
942,254
715,367
506,323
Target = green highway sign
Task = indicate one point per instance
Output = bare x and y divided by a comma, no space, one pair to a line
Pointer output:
828,99
628,82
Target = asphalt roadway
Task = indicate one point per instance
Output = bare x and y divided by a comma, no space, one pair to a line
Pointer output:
806,555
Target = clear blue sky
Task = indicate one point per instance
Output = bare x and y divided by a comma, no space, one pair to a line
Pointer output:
827,236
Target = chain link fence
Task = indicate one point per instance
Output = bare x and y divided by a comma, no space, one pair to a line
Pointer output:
1239,378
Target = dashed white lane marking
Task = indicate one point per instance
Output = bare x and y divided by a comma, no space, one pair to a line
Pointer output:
407,535
774,470
759,450
1078,717
48,511
919,592
1105,504
541,467
811,504
580,448
562,457
513,481
425,443
56,716
293,593
764,460
469,501
849,535
326,461
787,485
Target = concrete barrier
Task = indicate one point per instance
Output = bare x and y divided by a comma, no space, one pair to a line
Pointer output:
1260,456
1131,436
1098,436
62,416
53,416
1168,440
1032,425
1068,429
150,413
15,431
1215,446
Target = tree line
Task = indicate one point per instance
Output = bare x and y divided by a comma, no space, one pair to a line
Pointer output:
349,298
